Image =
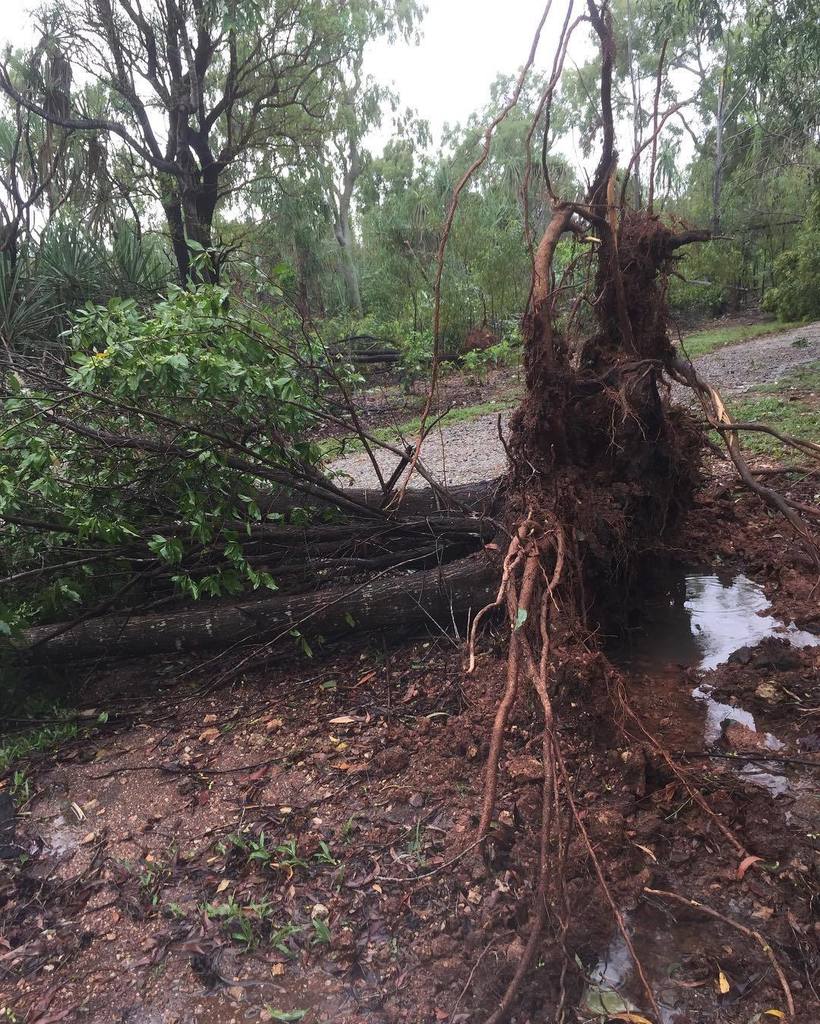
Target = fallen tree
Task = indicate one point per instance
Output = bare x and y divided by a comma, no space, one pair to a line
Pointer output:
443,598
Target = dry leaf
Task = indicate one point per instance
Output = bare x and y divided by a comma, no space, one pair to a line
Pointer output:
89,838
209,719
345,766
779,1014
273,724
745,864
723,983
344,720
209,735
647,851
223,885
277,970
632,1018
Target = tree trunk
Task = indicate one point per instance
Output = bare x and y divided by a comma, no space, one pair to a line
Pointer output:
352,168
442,596
350,275
717,180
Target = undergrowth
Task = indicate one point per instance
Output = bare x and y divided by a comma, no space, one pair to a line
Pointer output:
791,404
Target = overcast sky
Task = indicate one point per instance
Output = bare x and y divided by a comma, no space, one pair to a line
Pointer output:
465,44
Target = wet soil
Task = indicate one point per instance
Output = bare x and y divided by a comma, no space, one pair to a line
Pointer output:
299,843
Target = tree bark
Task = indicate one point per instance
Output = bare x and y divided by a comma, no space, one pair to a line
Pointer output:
442,597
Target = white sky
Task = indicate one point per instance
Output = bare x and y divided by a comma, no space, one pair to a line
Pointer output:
465,44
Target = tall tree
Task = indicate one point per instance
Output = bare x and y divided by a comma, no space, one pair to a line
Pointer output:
202,85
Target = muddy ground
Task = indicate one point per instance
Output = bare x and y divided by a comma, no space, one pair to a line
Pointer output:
297,842
285,843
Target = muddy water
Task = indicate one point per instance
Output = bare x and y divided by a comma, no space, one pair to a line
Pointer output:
693,620
696,621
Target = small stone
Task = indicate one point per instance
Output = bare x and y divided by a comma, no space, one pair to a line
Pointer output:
417,800
768,692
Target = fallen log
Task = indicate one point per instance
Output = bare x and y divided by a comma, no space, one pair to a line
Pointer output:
479,498
443,597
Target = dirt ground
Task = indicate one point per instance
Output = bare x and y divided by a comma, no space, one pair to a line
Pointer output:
462,452
298,843
288,842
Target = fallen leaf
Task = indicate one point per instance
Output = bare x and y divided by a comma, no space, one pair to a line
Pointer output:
344,720
209,719
79,813
277,970
647,851
223,885
88,838
209,735
779,1014
745,864
723,983
273,724
632,1018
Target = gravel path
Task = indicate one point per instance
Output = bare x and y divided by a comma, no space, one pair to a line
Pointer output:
463,452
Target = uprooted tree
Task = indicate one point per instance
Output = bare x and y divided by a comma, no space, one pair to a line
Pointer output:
186,473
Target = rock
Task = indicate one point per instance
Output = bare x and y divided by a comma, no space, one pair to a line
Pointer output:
736,736
742,656
416,800
525,768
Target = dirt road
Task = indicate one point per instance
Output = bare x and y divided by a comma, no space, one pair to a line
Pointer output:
463,452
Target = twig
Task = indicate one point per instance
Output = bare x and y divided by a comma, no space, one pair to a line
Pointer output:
750,932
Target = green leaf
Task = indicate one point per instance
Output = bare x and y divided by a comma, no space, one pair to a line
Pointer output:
520,618
286,1014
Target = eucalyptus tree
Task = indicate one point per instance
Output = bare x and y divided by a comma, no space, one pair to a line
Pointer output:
202,87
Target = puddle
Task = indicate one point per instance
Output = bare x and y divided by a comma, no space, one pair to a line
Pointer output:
668,948
693,620
696,621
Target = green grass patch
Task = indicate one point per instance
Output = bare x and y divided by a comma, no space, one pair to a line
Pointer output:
408,429
702,342
791,405
15,746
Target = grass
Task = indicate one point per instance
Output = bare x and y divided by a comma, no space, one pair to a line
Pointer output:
702,342
16,746
792,405
409,429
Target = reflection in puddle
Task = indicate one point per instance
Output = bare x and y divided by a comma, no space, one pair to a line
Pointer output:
728,614
699,619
